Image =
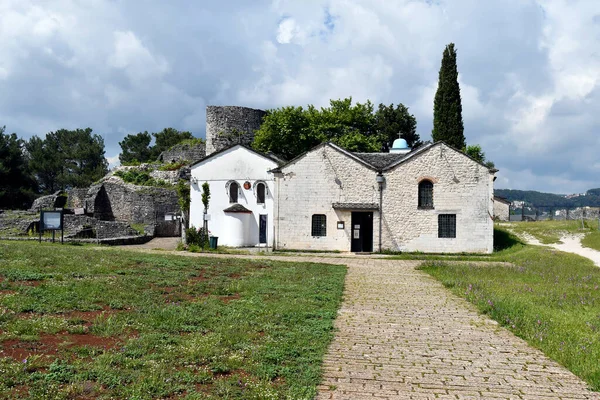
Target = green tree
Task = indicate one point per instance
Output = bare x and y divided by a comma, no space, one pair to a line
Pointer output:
136,148
17,187
184,199
290,131
45,163
394,122
205,203
285,132
447,108
67,159
166,139
474,151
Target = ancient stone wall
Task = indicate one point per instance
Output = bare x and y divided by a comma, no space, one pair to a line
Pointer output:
183,152
229,125
168,176
49,202
76,197
115,200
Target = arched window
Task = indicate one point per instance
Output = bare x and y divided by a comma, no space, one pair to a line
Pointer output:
260,193
426,194
234,189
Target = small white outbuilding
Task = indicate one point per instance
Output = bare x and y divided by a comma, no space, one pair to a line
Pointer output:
242,199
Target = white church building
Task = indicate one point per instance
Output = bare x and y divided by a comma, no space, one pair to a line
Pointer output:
242,188
432,199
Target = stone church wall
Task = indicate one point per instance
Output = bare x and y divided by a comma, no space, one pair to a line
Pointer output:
325,176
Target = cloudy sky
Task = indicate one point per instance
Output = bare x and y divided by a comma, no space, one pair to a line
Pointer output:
529,70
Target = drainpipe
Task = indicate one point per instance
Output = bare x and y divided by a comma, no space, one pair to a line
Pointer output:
380,181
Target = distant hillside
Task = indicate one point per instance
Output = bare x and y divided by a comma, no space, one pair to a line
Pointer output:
591,198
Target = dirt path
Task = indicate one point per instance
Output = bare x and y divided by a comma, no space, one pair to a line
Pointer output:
570,243
401,335
166,243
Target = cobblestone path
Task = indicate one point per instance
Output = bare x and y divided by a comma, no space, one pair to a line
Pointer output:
402,335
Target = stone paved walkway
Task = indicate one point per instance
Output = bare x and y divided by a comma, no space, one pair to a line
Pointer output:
402,335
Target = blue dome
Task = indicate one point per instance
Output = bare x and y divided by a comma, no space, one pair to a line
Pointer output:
400,144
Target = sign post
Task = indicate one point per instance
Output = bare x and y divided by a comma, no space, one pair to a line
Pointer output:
52,221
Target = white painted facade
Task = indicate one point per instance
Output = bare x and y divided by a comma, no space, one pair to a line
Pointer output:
242,165
312,183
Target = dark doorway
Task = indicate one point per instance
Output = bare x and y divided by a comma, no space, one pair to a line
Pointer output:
262,229
362,232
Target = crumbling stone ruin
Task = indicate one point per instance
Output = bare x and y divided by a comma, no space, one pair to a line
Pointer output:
113,208
184,152
230,125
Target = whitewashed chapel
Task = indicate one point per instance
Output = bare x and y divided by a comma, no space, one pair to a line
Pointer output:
242,196
431,199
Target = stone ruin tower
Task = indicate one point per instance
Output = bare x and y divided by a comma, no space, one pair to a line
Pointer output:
228,125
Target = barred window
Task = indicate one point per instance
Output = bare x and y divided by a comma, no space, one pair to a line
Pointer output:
319,225
447,225
426,194
233,192
260,193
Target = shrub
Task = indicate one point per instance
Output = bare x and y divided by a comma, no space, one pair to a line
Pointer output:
141,178
197,237
174,166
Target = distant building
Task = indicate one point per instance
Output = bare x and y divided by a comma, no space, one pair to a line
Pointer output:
501,208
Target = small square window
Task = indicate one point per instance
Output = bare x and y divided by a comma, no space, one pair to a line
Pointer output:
447,225
319,225
340,225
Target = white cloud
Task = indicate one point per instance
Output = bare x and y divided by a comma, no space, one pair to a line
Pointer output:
287,31
529,70
135,59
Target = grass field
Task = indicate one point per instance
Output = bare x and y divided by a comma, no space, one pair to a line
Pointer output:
76,322
548,232
549,298
592,240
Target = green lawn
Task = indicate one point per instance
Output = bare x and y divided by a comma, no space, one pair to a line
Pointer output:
549,298
79,322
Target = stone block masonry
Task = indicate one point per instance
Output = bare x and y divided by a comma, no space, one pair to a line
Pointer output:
230,125
183,152
114,200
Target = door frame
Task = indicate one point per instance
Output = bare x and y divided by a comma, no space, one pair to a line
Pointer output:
359,218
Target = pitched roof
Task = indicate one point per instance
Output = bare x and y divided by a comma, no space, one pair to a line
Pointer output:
269,156
502,199
379,160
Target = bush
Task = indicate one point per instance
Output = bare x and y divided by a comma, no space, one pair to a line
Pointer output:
197,237
141,178
174,166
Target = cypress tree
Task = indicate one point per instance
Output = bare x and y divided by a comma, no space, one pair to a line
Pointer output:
447,108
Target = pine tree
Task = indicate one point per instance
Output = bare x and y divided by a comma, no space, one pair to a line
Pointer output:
447,108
